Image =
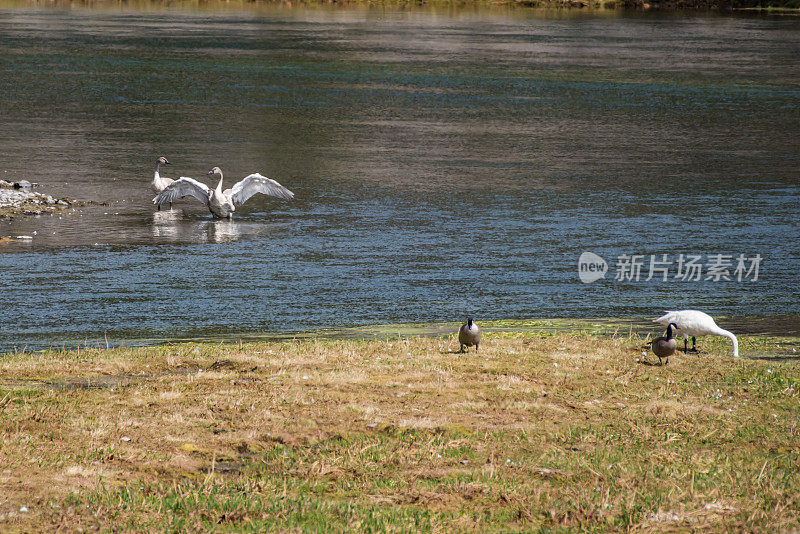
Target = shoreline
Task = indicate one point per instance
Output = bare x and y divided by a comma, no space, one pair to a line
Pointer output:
782,327
777,7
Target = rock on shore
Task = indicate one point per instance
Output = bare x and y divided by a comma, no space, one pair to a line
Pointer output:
17,198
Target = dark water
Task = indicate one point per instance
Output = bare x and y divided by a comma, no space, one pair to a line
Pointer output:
443,165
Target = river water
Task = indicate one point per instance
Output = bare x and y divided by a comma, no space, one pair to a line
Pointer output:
445,164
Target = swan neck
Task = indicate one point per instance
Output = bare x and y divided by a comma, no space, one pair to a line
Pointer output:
219,185
733,339
157,176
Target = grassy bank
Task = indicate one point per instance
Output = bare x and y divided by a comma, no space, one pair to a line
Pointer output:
538,430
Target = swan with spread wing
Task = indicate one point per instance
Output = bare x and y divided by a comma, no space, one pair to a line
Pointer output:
221,203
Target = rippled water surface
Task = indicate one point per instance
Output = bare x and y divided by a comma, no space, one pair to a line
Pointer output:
444,164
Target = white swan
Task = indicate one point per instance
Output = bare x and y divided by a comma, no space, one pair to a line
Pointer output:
696,323
159,184
223,203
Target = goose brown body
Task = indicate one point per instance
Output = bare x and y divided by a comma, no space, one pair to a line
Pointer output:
665,346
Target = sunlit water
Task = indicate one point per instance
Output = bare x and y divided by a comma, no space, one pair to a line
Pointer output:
444,165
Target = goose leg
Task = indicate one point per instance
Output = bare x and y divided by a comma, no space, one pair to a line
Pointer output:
462,348
476,347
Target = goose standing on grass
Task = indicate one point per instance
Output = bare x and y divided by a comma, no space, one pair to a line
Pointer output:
664,347
159,184
221,203
696,323
469,335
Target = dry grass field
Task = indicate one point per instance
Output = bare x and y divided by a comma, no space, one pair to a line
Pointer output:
538,431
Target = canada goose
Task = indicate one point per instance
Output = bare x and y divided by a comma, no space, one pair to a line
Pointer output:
223,203
469,335
159,184
696,323
664,347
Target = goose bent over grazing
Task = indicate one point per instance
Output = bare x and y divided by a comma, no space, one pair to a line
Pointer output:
664,347
159,184
469,335
223,203
696,323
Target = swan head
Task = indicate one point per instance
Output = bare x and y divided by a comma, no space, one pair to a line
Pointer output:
163,161
216,171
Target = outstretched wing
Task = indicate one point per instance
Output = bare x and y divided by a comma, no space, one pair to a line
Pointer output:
183,187
255,183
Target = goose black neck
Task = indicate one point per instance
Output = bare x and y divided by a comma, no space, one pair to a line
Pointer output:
670,328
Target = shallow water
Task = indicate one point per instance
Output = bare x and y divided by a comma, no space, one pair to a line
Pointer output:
444,165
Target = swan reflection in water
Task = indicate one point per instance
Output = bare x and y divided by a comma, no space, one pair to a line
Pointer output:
165,224
172,225
224,231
